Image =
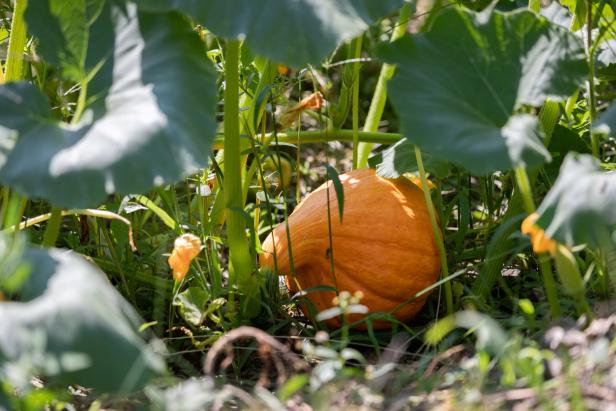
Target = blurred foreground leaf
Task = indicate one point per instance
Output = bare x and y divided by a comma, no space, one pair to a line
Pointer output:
72,327
579,208
150,115
291,32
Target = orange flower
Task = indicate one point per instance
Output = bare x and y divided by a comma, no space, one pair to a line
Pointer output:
185,248
282,69
541,242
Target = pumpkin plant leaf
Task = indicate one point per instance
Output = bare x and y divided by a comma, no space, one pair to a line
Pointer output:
461,89
72,327
399,159
150,118
332,174
291,32
579,207
64,27
192,304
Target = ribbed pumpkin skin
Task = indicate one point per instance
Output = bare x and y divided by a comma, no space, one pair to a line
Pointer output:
384,247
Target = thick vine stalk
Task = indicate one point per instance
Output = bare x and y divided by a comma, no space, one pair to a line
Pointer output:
16,203
242,265
377,105
17,42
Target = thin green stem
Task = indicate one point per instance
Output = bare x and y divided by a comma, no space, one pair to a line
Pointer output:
545,267
53,227
592,103
377,105
521,178
17,42
438,235
15,209
5,195
14,72
242,266
81,102
355,109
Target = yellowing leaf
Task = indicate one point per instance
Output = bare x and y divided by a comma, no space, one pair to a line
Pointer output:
312,102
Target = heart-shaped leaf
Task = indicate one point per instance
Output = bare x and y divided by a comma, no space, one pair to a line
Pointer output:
580,206
462,87
150,121
71,326
291,32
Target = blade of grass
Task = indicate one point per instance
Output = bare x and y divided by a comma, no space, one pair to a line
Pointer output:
438,234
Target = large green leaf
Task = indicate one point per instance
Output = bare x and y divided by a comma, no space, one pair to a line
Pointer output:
71,326
150,121
580,206
65,33
461,88
292,32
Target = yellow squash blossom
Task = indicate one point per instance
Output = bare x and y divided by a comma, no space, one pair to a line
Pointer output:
540,241
185,248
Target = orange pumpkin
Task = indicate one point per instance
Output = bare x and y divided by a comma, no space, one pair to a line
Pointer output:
384,246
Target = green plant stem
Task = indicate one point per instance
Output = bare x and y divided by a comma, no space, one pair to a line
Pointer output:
355,107
318,136
242,266
377,105
545,267
438,235
15,209
17,42
81,102
521,178
53,227
592,103
14,72
544,263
